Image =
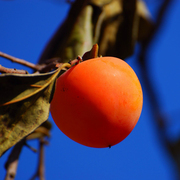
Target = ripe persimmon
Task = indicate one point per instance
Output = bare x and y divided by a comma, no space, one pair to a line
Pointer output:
98,102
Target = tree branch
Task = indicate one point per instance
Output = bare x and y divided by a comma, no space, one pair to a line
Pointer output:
8,70
20,61
40,170
12,162
143,58
47,66
173,148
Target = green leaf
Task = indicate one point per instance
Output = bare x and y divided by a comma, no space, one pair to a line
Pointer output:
81,38
61,44
115,25
24,105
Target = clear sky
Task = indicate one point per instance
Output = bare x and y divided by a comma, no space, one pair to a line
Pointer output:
25,28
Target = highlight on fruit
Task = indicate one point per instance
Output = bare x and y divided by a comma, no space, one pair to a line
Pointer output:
97,102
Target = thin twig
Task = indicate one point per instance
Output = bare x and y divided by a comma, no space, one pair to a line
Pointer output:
40,170
48,65
30,147
12,162
20,61
8,70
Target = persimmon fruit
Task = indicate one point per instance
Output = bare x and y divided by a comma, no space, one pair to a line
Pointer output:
98,102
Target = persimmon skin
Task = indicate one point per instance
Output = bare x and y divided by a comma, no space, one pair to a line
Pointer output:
98,102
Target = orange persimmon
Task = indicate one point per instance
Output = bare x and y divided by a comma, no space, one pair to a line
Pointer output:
98,102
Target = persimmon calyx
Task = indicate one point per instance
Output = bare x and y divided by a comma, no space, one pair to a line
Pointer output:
76,61
93,53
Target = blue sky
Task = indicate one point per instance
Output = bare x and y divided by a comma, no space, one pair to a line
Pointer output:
26,27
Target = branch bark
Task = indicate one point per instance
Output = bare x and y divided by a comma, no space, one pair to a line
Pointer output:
12,162
47,65
8,70
20,61
40,169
